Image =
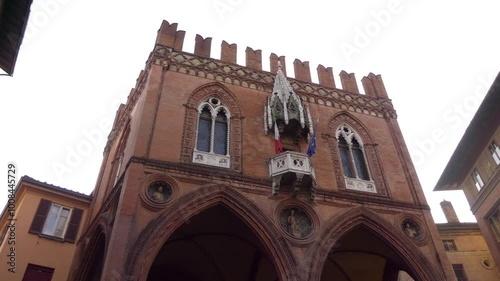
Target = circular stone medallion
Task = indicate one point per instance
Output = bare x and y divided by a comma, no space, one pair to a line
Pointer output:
159,191
411,228
296,222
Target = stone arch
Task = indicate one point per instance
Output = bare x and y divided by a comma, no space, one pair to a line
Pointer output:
157,232
90,252
191,119
337,227
370,149
347,118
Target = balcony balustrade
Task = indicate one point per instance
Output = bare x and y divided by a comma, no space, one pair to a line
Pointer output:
292,169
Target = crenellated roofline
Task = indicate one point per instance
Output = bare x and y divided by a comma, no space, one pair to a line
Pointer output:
168,54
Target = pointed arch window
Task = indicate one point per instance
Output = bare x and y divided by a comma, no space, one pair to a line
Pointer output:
344,157
220,133
352,154
359,160
212,134
353,159
204,130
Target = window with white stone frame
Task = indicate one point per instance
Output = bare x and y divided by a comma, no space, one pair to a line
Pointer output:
352,157
212,134
478,181
495,152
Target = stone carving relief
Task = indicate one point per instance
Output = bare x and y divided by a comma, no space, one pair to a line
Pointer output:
411,228
188,153
296,222
159,191
377,185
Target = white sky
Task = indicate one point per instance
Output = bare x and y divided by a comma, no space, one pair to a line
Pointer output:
80,59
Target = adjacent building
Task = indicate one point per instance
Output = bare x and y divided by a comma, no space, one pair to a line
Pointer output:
14,16
40,226
466,248
218,171
474,168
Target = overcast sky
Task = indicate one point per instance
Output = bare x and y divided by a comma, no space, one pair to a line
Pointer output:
79,60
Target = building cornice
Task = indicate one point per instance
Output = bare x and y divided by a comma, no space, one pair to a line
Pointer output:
263,186
54,188
458,227
475,139
260,80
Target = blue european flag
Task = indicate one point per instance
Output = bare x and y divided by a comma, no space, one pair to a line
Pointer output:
312,145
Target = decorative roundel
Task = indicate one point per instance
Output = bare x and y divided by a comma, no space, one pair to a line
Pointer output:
411,229
159,191
296,222
214,101
487,263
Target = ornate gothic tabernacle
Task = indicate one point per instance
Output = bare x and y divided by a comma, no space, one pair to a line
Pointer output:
292,116
290,168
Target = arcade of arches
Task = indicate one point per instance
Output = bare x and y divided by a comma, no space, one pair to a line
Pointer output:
216,245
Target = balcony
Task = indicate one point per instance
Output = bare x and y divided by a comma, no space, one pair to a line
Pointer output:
293,170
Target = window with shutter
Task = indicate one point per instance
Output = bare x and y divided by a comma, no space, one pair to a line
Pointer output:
40,215
460,272
55,220
38,273
74,224
4,232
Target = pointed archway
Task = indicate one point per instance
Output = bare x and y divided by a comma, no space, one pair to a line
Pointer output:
193,223
214,245
359,245
89,258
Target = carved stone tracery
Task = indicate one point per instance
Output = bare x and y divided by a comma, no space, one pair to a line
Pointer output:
285,106
215,106
370,154
199,96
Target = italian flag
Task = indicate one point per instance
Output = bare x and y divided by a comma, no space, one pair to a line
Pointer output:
277,142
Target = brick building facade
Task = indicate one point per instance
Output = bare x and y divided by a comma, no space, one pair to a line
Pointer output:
193,187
